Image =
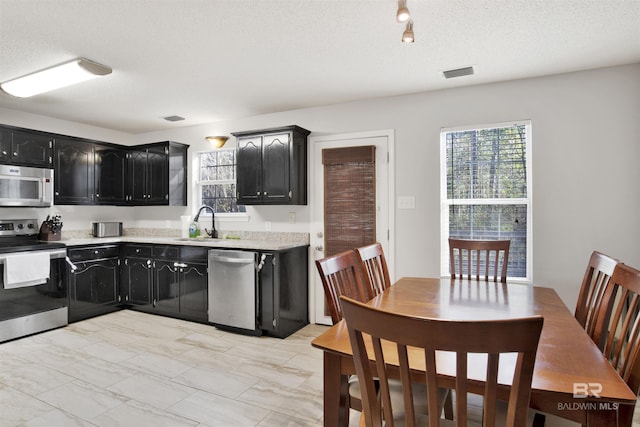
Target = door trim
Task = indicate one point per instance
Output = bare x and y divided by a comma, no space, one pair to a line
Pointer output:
390,204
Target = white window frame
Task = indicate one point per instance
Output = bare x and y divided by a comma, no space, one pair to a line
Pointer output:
197,196
445,202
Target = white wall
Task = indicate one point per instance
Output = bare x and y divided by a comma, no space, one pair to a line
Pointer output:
585,165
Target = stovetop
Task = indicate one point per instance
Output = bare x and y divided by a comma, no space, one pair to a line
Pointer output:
22,245
20,235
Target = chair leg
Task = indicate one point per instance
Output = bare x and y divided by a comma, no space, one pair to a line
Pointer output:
538,420
448,406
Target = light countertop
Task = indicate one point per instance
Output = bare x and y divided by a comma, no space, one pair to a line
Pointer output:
263,245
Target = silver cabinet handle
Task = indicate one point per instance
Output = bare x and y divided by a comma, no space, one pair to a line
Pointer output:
71,265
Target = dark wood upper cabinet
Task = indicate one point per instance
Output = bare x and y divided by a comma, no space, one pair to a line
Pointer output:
110,174
272,166
26,148
158,174
88,172
73,172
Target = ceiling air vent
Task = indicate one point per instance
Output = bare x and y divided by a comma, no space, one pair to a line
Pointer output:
173,118
459,72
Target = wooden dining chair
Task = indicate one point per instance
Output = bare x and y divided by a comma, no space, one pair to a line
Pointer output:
389,336
374,268
594,283
376,275
479,259
341,275
618,324
596,278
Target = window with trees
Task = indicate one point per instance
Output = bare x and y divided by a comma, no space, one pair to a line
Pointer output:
217,181
486,189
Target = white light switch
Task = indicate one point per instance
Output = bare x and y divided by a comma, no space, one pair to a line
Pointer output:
407,202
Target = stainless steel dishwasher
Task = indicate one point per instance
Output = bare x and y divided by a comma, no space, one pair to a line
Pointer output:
232,289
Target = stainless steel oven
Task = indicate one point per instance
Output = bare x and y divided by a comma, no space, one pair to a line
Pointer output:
28,303
25,186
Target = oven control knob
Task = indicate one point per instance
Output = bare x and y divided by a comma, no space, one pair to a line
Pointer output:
20,226
30,225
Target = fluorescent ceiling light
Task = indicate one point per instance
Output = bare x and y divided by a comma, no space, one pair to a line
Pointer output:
72,72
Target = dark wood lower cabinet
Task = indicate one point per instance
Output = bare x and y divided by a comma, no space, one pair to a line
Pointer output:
283,286
166,279
166,286
94,283
173,281
137,280
193,290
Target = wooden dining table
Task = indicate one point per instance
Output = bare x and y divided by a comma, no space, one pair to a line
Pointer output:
571,379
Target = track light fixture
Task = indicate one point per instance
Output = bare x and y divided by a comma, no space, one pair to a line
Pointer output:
407,36
72,72
402,15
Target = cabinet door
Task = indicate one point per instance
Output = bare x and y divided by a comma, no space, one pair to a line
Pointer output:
93,288
138,176
276,174
73,172
31,149
249,170
157,175
137,279
5,145
166,286
110,169
193,291
266,280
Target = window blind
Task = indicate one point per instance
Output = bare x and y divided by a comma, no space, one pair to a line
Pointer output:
349,198
486,188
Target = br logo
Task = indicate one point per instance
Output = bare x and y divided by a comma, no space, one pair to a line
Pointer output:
582,390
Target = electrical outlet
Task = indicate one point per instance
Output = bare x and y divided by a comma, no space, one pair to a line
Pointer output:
267,225
292,217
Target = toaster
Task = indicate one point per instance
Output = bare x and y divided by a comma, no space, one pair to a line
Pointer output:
107,229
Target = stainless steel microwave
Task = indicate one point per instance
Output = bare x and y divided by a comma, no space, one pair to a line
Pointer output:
25,186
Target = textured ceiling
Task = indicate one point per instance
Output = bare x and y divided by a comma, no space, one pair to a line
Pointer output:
211,60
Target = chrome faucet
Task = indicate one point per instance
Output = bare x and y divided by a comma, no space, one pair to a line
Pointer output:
213,233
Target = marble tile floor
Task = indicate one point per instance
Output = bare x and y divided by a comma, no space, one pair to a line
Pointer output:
134,369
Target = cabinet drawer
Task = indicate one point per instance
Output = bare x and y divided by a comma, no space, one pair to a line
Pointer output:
138,251
94,252
166,252
193,254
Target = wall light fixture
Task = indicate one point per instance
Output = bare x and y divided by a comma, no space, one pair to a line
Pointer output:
217,141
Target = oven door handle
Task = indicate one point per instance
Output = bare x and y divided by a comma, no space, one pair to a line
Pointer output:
53,254
71,265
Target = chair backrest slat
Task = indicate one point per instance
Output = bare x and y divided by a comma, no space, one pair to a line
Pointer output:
374,268
341,275
410,334
484,259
